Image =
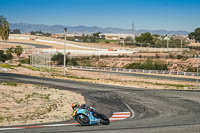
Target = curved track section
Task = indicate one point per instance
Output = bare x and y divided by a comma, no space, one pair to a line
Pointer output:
156,111
31,44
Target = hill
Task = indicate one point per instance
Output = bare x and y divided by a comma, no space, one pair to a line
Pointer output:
85,29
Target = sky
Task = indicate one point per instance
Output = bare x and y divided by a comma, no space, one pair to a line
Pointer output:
145,14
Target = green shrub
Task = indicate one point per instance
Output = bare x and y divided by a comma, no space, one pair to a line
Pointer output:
59,59
149,64
73,62
6,66
191,69
25,61
11,83
180,56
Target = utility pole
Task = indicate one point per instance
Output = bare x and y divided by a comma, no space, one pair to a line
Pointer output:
167,38
32,57
49,61
181,43
167,43
65,30
133,31
197,63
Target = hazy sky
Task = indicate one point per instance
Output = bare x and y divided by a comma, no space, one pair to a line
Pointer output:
146,14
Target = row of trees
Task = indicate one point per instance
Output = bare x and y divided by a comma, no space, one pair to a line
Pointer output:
94,38
41,33
15,31
4,28
8,54
148,40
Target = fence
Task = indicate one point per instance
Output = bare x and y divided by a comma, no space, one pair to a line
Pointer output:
107,69
40,59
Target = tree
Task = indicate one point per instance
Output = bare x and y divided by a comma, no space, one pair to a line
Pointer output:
129,40
191,35
145,38
195,35
59,59
9,52
2,56
16,31
18,50
97,35
4,28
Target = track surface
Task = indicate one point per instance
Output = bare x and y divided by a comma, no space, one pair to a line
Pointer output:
157,111
32,44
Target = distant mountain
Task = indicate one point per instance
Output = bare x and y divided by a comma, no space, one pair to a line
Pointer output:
85,29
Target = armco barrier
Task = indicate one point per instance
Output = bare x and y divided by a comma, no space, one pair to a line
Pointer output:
133,70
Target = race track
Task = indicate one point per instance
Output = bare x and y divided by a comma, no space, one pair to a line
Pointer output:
156,111
30,44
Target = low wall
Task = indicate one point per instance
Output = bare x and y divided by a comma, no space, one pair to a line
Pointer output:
161,49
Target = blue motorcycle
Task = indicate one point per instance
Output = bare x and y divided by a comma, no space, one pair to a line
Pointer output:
87,117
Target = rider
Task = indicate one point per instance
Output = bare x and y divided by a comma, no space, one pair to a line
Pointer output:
82,106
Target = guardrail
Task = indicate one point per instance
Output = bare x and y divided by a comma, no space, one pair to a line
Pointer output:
104,69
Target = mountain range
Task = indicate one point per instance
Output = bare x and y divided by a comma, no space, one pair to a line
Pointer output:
24,27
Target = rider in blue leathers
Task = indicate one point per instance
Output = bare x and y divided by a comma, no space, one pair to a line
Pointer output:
83,106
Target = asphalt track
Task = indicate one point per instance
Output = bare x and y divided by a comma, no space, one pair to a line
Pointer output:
156,111
31,44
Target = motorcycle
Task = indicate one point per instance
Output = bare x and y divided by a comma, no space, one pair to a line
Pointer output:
87,117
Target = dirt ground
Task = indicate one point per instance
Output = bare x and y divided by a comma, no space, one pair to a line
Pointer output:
31,104
128,81
104,78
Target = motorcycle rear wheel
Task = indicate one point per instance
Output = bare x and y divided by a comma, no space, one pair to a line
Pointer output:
104,120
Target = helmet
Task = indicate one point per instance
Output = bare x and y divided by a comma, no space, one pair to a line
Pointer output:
75,105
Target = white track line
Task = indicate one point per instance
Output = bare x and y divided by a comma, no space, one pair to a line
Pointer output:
121,112
132,112
2,129
120,115
117,119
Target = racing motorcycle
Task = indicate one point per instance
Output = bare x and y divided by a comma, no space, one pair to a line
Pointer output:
87,117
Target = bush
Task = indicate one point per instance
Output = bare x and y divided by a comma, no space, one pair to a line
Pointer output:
59,59
11,83
3,57
191,69
179,56
73,62
25,61
149,64
171,56
6,66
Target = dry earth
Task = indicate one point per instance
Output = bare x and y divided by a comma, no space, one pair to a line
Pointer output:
98,77
31,104
132,81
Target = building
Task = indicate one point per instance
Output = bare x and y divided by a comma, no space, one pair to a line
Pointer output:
111,36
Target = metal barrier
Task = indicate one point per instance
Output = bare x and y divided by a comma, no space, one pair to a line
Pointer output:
163,72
